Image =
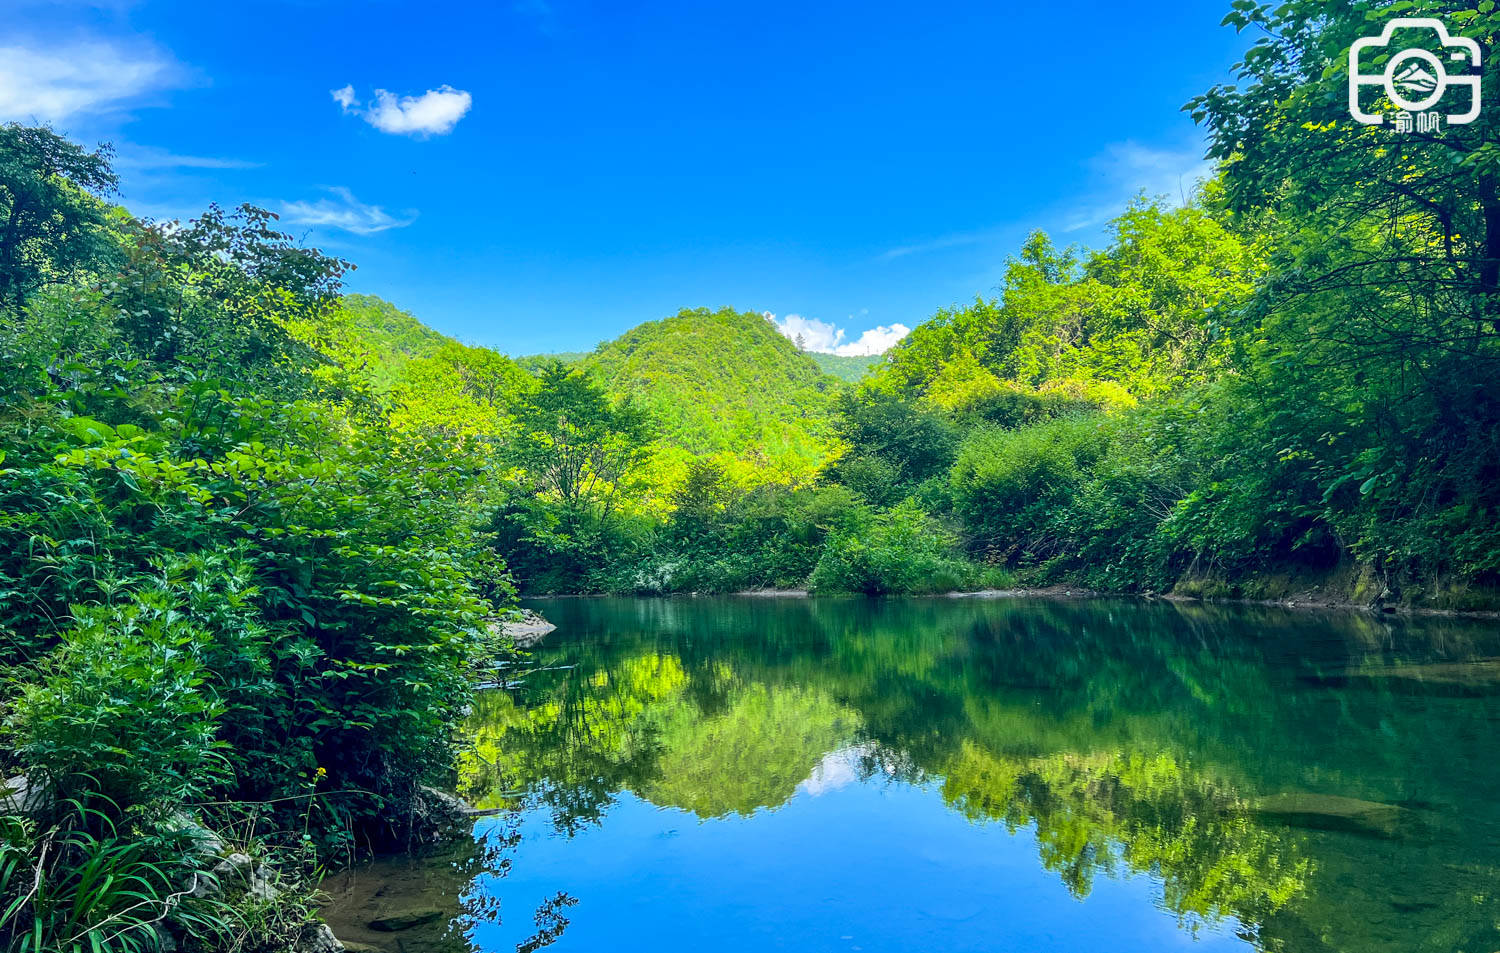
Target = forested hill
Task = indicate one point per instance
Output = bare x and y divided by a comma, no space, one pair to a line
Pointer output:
723,382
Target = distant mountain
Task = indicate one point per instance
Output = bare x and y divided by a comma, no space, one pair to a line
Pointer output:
850,369
724,382
717,382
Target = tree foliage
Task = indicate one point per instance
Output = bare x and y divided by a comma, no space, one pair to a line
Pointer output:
229,585
52,224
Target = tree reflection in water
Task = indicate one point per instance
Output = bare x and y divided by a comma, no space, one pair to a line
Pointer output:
1262,765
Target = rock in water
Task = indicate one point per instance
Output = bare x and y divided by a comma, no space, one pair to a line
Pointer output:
1331,812
405,919
528,629
440,807
1475,678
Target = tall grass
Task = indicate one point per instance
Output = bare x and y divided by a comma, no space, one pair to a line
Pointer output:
67,889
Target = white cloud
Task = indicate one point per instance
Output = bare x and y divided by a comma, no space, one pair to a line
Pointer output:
826,338
434,113
1113,178
344,212
876,340
1126,169
810,333
57,83
837,769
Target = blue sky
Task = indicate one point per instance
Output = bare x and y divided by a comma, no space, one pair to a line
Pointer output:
544,174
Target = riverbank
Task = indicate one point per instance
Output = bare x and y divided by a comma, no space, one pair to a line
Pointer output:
1324,591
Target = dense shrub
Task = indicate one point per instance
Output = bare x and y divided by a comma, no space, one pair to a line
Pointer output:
900,550
1010,485
121,713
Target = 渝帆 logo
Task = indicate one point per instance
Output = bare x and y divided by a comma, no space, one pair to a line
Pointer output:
1417,78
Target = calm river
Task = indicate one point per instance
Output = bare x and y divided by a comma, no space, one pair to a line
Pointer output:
738,774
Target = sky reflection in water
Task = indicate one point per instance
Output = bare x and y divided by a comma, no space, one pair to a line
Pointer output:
740,774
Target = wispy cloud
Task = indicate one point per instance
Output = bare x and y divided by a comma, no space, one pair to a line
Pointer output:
827,338
1126,169
1114,177
107,6
876,340
55,83
344,212
955,240
150,158
434,113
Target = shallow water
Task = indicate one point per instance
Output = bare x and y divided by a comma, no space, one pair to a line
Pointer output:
964,775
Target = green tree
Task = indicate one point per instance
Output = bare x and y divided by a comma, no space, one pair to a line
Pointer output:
50,224
575,444
1290,144
700,506
1367,408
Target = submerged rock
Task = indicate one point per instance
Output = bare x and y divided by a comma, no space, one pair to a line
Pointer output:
405,919
1476,678
1332,812
441,802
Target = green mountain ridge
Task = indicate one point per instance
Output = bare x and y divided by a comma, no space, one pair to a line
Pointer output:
716,382
723,382
387,329
851,369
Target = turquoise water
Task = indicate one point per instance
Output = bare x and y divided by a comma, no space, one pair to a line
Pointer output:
963,775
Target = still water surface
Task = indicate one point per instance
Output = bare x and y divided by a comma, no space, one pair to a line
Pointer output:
973,775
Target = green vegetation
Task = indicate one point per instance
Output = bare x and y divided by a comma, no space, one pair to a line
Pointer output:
224,565
253,532
724,382
1245,396
849,369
